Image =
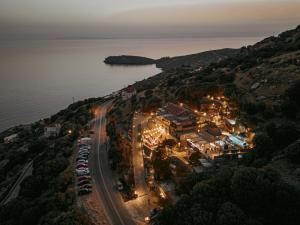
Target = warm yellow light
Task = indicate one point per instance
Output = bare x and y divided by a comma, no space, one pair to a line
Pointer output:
70,131
163,195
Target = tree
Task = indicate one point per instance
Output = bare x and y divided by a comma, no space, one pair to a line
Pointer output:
294,92
293,152
282,135
230,214
38,146
161,163
263,145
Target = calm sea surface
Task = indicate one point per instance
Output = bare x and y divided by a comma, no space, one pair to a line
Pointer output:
38,78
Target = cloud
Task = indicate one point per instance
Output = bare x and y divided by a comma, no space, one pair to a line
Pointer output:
208,19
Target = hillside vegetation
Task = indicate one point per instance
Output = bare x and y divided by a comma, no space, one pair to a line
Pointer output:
47,196
264,82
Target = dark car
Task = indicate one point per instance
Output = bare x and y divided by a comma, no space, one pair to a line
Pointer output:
84,191
82,167
85,186
81,178
83,155
84,182
84,151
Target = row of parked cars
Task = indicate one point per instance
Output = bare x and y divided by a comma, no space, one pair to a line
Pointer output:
82,169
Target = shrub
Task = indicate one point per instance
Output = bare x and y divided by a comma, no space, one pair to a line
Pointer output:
293,152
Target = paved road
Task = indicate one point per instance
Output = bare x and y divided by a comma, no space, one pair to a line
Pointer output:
141,206
112,201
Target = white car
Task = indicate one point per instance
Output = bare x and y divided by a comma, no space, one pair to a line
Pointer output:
82,172
85,146
82,164
82,161
83,151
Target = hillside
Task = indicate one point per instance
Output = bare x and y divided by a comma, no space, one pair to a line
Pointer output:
196,60
263,81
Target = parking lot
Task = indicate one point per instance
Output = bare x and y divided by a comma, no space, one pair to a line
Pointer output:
82,170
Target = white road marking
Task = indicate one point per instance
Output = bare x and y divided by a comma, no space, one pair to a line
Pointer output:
104,184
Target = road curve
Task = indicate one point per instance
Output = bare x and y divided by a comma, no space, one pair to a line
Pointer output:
113,204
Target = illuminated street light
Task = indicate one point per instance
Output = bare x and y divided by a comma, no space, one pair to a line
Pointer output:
69,131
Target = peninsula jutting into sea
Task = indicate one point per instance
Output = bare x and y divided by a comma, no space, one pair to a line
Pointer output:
182,113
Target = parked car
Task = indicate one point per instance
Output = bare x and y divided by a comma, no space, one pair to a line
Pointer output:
84,191
81,178
83,171
82,164
82,158
120,186
79,157
85,146
85,186
83,154
83,151
84,182
82,161
81,167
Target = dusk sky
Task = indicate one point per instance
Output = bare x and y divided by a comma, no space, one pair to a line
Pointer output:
143,18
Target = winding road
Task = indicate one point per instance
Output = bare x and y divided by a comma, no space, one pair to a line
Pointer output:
114,207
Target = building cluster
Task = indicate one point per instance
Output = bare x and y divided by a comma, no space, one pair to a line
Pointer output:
52,130
205,135
192,138
128,92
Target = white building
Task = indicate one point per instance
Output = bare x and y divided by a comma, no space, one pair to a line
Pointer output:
52,130
11,138
128,92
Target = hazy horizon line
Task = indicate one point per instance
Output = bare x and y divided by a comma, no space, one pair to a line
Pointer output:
131,38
